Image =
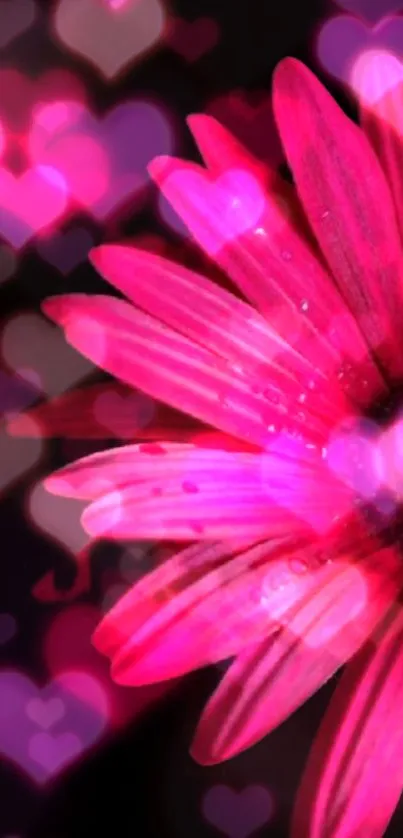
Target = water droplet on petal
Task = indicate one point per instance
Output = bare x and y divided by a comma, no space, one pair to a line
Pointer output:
304,305
298,566
190,487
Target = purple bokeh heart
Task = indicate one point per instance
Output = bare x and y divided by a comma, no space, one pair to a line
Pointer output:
343,39
238,814
122,144
8,628
371,10
66,251
42,730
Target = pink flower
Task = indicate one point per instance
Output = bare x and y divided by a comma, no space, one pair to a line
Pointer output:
294,564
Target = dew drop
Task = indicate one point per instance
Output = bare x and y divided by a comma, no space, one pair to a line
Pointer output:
304,305
286,255
325,215
196,527
298,566
190,487
279,580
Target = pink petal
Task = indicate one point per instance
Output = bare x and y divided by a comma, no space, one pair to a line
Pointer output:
177,515
146,354
76,415
275,269
163,464
380,78
182,490
269,681
145,599
213,618
342,188
221,150
357,759
213,318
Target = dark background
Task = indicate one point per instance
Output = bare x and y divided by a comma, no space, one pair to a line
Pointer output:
141,782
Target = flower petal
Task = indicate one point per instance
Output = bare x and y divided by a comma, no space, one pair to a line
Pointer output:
357,758
176,487
342,188
146,354
273,266
269,681
213,318
163,464
175,575
380,78
103,411
221,151
214,618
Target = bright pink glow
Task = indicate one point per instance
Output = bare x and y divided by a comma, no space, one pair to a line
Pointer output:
115,5
48,121
84,165
376,74
235,202
30,203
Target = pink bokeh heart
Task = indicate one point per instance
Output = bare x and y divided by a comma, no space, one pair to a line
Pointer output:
102,160
30,203
109,35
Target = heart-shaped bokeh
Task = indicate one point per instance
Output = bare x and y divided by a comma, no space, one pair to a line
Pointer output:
104,160
111,35
343,39
371,10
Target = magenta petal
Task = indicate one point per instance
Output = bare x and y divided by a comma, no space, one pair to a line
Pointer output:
380,78
211,619
145,598
342,188
354,776
276,270
269,681
146,354
213,318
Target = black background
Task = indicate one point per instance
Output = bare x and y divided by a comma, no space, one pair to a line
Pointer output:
143,783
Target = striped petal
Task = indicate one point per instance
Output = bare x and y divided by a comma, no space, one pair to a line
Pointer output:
342,188
175,575
106,410
269,681
149,355
213,618
354,776
177,486
379,77
258,245
202,311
